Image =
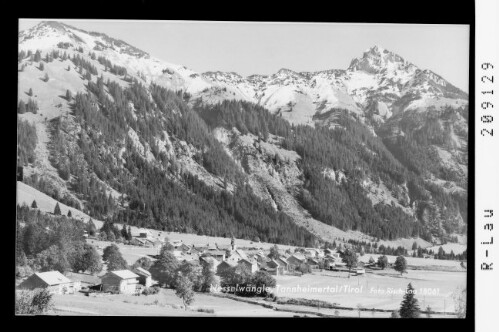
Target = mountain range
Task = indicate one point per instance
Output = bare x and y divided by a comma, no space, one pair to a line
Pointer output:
376,151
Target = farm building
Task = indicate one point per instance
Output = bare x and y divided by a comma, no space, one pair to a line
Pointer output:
84,280
191,258
313,263
273,267
224,247
54,281
196,250
144,233
237,255
283,263
184,248
272,264
311,252
217,254
250,264
136,241
121,281
177,244
144,276
209,260
211,247
155,242
295,261
225,265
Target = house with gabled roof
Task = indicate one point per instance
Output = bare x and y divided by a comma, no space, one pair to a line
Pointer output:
273,267
82,280
211,247
250,264
217,254
54,281
295,261
144,276
282,262
313,263
121,281
184,248
225,265
225,247
241,253
138,241
209,260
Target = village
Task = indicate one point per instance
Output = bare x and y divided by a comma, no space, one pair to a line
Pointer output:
361,286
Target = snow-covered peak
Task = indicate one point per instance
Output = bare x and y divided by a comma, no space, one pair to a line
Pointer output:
378,77
377,59
49,34
375,49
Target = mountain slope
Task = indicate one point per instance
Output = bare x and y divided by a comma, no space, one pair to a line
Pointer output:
290,158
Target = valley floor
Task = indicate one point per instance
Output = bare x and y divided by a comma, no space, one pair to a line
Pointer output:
382,289
165,303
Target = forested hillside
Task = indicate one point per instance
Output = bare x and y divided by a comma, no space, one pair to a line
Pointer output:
358,154
127,138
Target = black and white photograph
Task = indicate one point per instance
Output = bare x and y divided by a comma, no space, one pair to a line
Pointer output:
242,169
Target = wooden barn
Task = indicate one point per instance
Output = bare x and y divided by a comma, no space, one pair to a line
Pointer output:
121,281
224,266
83,280
144,276
282,263
273,267
250,264
218,255
294,261
209,260
54,281
313,263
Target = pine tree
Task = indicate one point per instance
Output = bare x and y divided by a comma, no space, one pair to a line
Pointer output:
69,213
41,66
37,56
110,236
124,232
30,92
34,205
21,108
91,229
129,235
428,312
400,265
68,95
21,55
57,209
409,307
46,77
274,252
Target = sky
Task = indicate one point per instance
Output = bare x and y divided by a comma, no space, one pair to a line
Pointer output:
264,48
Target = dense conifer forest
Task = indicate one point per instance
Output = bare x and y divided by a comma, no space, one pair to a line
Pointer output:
158,193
